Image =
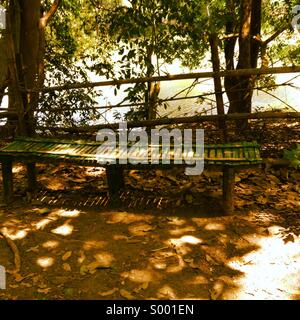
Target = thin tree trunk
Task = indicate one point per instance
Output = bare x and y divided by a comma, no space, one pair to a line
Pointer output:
231,83
153,88
213,40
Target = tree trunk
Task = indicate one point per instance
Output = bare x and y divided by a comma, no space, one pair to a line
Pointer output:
231,83
25,43
153,88
29,49
213,40
12,28
240,89
13,53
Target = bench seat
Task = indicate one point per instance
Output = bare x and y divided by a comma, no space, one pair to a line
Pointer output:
229,157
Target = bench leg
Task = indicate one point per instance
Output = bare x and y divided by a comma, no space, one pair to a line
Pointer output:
115,179
31,178
228,189
7,176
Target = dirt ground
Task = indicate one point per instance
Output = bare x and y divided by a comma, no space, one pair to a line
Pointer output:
162,238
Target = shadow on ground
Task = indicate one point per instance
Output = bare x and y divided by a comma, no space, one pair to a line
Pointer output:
76,243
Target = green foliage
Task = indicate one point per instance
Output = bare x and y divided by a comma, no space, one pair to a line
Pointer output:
293,156
122,42
75,38
69,108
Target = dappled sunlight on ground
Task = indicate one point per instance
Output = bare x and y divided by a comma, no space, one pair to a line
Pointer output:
14,234
126,218
185,239
179,231
92,254
63,230
271,272
51,244
67,213
215,226
17,169
45,262
43,223
76,243
94,244
95,172
142,276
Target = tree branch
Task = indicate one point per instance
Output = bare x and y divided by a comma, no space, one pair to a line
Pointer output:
44,20
275,35
265,43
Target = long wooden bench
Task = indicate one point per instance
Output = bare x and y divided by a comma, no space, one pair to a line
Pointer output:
228,157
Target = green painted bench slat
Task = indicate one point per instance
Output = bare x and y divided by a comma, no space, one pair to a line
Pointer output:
228,156
214,154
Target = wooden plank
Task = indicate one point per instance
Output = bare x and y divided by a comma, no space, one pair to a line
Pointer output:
7,176
31,178
247,154
48,140
115,179
229,153
220,154
228,189
252,153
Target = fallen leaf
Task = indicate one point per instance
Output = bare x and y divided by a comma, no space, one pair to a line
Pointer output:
66,256
289,238
67,267
105,259
262,200
36,279
45,291
18,277
26,284
42,286
189,198
133,241
159,173
81,257
273,179
43,211
143,286
33,249
92,267
79,180
178,203
108,293
188,260
69,291
209,259
242,202
140,229
127,295
84,270
217,290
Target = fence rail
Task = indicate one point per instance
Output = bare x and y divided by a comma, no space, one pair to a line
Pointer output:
180,120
